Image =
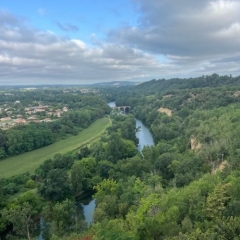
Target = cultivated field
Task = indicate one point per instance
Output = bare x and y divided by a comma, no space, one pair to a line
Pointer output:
31,160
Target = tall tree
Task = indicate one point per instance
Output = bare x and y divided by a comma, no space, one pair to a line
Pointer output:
22,219
63,219
56,186
77,176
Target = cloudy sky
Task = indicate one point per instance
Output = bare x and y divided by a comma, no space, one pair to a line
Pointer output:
87,41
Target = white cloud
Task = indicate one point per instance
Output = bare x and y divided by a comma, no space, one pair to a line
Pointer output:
79,43
35,56
173,39
191,34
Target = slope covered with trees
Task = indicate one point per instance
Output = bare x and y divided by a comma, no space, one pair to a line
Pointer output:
185,187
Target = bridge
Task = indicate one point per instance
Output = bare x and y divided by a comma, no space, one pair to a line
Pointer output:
125,109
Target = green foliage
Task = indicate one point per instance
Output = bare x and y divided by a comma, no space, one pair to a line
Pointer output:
56,186
31,198
61,219
217,201
77,176
113,229
11,188
30,184
126,126
184,187
106,187
31,160
119,148
88,166
24,138
22,219
115,148
1,191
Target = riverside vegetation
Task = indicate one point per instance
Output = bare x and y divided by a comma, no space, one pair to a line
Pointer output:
185,187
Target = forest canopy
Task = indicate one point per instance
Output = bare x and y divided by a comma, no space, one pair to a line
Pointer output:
186,186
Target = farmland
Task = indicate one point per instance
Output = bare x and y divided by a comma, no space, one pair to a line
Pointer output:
31,160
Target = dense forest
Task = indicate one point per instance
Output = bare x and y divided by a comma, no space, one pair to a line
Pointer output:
185,187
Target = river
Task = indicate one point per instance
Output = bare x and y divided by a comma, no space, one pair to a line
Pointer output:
88,210
144,135
145,139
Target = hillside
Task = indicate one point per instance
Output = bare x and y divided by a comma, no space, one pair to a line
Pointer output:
184,187
211,81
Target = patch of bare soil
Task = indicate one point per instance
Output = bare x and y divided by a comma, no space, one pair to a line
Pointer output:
195,145
236,94
219,167
165,110
192,97
167,96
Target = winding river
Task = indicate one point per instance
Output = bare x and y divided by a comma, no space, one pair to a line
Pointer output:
145,139
144,135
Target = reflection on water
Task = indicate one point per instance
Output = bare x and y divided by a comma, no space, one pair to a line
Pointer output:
144,136
88,211
84,208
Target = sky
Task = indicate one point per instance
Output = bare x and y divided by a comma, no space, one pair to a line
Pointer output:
89,41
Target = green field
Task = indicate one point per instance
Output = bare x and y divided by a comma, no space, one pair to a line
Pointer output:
31,160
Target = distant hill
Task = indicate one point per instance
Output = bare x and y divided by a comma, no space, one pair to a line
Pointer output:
95,85
164,85
115,84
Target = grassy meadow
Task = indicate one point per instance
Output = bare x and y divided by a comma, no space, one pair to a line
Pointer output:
31,160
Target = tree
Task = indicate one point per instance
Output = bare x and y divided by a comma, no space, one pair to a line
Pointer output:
2,200
130,149
1,191
115,148
218,200
77,178
30,184
88,166
22,219
114,229
56,186
62,218
106,187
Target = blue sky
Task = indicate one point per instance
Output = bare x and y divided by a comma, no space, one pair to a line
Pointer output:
84,18
87,41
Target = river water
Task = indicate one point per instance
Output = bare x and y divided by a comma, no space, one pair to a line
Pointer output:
88,210
144,135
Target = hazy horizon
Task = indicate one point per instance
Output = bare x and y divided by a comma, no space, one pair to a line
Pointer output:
86,42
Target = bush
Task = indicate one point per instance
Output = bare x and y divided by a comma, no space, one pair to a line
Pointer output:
11,188
30,184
